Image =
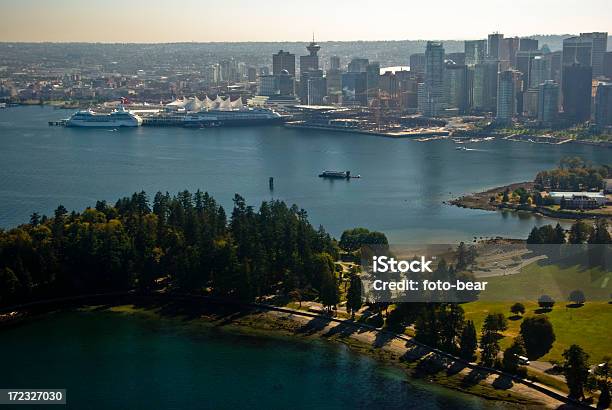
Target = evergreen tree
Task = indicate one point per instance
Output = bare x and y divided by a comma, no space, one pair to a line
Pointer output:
576,370
468,342
353,297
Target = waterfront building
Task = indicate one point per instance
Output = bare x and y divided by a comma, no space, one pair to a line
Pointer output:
317,89
310,61
548,102
433,98
530,102
373,76
283,60
417,64
485,86
455,86
334,63
286,83
354,88
305,80
268,85
475,51
528,44
494,46
577,90
603,106
508,86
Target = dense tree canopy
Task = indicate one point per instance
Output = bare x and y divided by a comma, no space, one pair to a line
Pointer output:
185,239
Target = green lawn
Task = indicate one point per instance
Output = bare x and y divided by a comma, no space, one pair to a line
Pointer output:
535,280
588,326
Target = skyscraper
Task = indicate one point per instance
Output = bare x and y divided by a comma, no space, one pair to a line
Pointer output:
507,89
334,63
354,88
311,61
433,91
494,46
485,86
603,105
417,64
358,65
608,65
510,46
524,62
475,51
455,86
548,102
373,76
540,71
599,48
577,50
283,60
528,44
577,90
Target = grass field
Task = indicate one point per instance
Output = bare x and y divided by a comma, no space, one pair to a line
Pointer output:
589,325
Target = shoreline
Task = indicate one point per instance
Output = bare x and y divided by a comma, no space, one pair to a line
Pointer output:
417,361
481,201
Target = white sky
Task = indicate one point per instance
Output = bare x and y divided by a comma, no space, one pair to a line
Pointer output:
293,20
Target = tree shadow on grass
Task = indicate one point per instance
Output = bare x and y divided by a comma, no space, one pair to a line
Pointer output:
515,317
574,305
382,338
474,377
541,311
502,382
455,368
428,366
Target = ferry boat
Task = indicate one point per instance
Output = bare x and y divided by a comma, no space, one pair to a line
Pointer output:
232,117
337,175
118,118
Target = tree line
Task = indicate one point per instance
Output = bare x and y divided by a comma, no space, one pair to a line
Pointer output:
184,242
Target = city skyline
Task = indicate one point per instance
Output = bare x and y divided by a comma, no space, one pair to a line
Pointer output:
192,21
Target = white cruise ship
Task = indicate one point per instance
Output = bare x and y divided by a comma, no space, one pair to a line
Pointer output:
118,118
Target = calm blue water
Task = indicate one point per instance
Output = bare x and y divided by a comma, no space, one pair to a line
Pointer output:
401,191
111,361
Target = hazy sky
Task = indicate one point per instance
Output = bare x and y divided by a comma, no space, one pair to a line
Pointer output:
291,20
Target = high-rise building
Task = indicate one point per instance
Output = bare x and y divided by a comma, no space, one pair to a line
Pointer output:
608,65
548,102
540,71
475,51
485,86
268,85
457,58
577,50
311,61
524,62
577,90
556,70
530,102
354,88
603,105
358,65
286,83
334,63
252,74
417,64
599,48
283,60
373,76
528,44
433,91
510,46
306,77
455,86
507,90
316,89
494,46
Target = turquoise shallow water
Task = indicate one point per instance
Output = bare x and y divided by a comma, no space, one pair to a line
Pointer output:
114,361
401,191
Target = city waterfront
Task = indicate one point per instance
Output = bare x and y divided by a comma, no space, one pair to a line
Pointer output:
401,192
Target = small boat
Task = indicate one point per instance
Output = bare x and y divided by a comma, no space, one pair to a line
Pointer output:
461,148
337,175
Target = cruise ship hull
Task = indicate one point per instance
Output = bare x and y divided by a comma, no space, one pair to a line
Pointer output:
109,124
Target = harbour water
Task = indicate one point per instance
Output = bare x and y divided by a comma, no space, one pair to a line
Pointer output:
401,191
111,361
